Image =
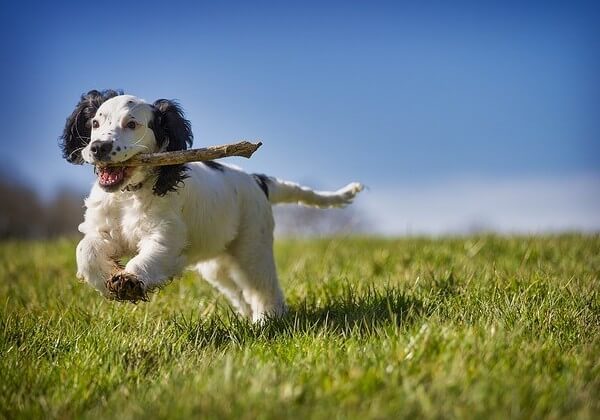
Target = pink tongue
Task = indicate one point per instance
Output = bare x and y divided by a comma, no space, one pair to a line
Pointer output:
111,175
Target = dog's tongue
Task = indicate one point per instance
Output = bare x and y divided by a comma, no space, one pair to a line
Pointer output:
111,175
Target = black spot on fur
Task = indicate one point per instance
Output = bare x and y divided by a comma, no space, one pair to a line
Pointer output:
78,128
172,130
263,182
214,165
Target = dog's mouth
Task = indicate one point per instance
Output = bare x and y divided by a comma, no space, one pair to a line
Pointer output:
111,178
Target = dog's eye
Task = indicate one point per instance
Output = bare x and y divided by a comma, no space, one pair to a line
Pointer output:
95,124
132,125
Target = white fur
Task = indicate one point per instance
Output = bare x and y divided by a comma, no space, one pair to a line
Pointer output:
218,222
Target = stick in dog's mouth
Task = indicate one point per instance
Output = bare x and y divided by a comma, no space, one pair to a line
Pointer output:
243,149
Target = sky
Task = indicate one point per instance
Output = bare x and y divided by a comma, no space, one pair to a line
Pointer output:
456,117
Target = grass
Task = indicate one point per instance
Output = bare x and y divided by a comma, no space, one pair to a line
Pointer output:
477,327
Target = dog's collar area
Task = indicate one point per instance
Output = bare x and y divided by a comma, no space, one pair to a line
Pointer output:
134,187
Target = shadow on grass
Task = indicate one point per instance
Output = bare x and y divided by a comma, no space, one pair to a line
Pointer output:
349,313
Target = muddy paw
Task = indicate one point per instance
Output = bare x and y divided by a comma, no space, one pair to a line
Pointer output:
126,286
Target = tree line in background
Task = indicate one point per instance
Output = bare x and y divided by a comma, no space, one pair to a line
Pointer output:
25,215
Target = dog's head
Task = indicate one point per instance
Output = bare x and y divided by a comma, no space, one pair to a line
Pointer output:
110,127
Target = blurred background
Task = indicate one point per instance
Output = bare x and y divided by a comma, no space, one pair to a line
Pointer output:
460,117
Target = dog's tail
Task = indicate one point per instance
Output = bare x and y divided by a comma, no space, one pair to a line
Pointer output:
280,191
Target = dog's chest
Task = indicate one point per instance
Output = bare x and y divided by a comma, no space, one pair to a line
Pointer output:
131,227
132,223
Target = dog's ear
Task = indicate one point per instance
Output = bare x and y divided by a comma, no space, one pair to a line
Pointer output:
77,131
172,132
171,129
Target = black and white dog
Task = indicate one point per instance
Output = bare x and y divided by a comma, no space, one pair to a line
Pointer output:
208,216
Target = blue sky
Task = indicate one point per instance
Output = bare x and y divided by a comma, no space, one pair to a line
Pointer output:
467,99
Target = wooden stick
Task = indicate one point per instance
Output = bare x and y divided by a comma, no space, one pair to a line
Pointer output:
243,149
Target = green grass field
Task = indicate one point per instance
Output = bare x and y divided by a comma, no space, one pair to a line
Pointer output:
474,327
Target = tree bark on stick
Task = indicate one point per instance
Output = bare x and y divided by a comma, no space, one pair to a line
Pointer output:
243,149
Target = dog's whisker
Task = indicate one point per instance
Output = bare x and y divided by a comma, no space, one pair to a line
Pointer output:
141,146
75,151
143,135
76,126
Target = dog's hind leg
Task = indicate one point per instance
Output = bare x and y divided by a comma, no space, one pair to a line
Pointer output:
218,272
256,274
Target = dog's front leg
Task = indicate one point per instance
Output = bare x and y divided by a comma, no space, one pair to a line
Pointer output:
159,259
96,261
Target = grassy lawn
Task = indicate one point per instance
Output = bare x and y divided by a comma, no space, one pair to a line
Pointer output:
474,327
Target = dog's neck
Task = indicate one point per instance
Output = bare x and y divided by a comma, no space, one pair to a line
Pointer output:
134,187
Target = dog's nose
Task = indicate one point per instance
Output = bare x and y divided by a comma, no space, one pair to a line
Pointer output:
101,149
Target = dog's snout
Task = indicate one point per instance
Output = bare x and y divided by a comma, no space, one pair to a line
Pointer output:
101,149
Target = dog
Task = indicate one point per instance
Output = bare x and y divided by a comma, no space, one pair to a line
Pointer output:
207,216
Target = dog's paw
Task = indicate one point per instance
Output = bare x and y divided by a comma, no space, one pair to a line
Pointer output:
126,286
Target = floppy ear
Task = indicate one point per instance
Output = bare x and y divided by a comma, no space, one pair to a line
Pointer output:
77,131
172,132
